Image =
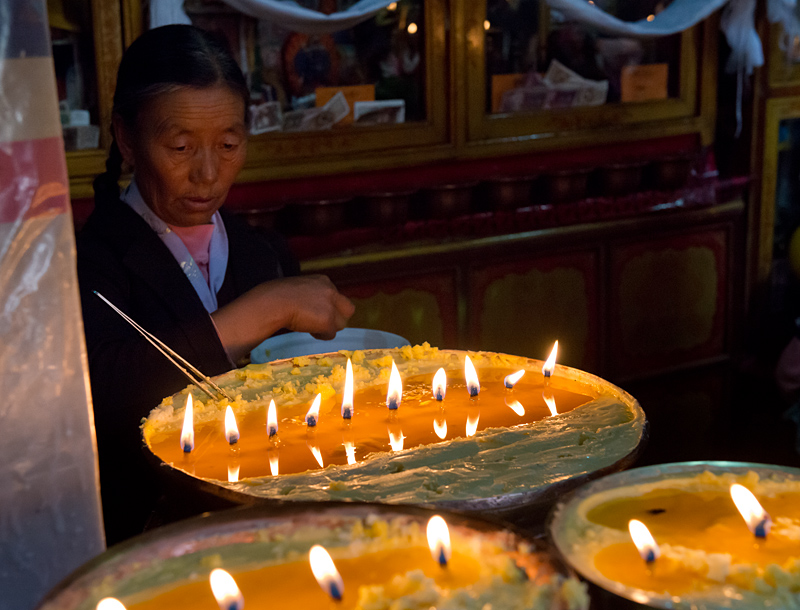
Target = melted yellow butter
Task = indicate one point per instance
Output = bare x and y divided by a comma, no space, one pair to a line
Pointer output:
292,585
372,425
706,521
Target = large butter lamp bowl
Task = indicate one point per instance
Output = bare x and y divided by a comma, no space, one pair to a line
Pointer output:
371,556
699,535
493,445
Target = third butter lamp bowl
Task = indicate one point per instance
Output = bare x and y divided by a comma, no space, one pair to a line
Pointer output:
504,451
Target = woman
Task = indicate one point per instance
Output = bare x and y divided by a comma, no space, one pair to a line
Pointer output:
165,252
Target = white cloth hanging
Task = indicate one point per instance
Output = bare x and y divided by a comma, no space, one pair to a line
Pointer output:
287,13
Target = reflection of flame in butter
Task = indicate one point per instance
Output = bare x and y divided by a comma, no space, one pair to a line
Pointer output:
231,429
550,401
109,603
350,450
317,453
751,510
347,396
440,428
396,440
439,539
511,380
187,433
225,590
472,424
395,392
439,385
550,363
273,463
515,406
233,473
643,540
471,377
325,572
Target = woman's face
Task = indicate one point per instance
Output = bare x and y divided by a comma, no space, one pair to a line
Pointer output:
186,150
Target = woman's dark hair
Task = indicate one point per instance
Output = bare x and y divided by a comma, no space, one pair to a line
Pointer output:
161,60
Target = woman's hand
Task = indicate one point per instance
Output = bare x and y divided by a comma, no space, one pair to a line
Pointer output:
307,303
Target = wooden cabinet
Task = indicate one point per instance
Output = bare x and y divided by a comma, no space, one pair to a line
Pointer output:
454,119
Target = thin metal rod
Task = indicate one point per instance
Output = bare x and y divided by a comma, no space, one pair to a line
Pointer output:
170,354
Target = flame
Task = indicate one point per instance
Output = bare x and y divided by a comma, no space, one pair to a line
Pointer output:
316,453
473,385
231,429
233,473
643,540
350,450
272,418
550,363
396,440
273,462
312,417
109,603
439,386
550,401
751,510
511,380
225,590
395,392
347,397
440,428
325,572
515,406
187,433
472,424
439,540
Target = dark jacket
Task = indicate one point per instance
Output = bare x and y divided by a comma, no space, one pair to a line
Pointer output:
123,259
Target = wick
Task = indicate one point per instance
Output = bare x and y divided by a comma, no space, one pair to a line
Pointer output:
347,413
442,558
392,404
473,391
311,421
760,530
233,440
187,448
234,605
439,395
509,386
651,556
273,430
334,592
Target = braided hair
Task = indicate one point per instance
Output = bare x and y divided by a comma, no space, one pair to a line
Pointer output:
162,60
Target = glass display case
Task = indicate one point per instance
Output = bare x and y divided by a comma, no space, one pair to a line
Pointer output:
533,71
784,56
336,97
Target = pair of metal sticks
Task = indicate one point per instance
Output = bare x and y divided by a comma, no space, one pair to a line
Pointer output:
196,377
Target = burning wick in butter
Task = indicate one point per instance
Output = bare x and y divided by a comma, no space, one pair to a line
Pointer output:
395,393
272,419
644,541
473,385
757,519
187,433
439,540
550,363
347,397
439,385
231,429
110,603
313,412
225,590
511,380
325,572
